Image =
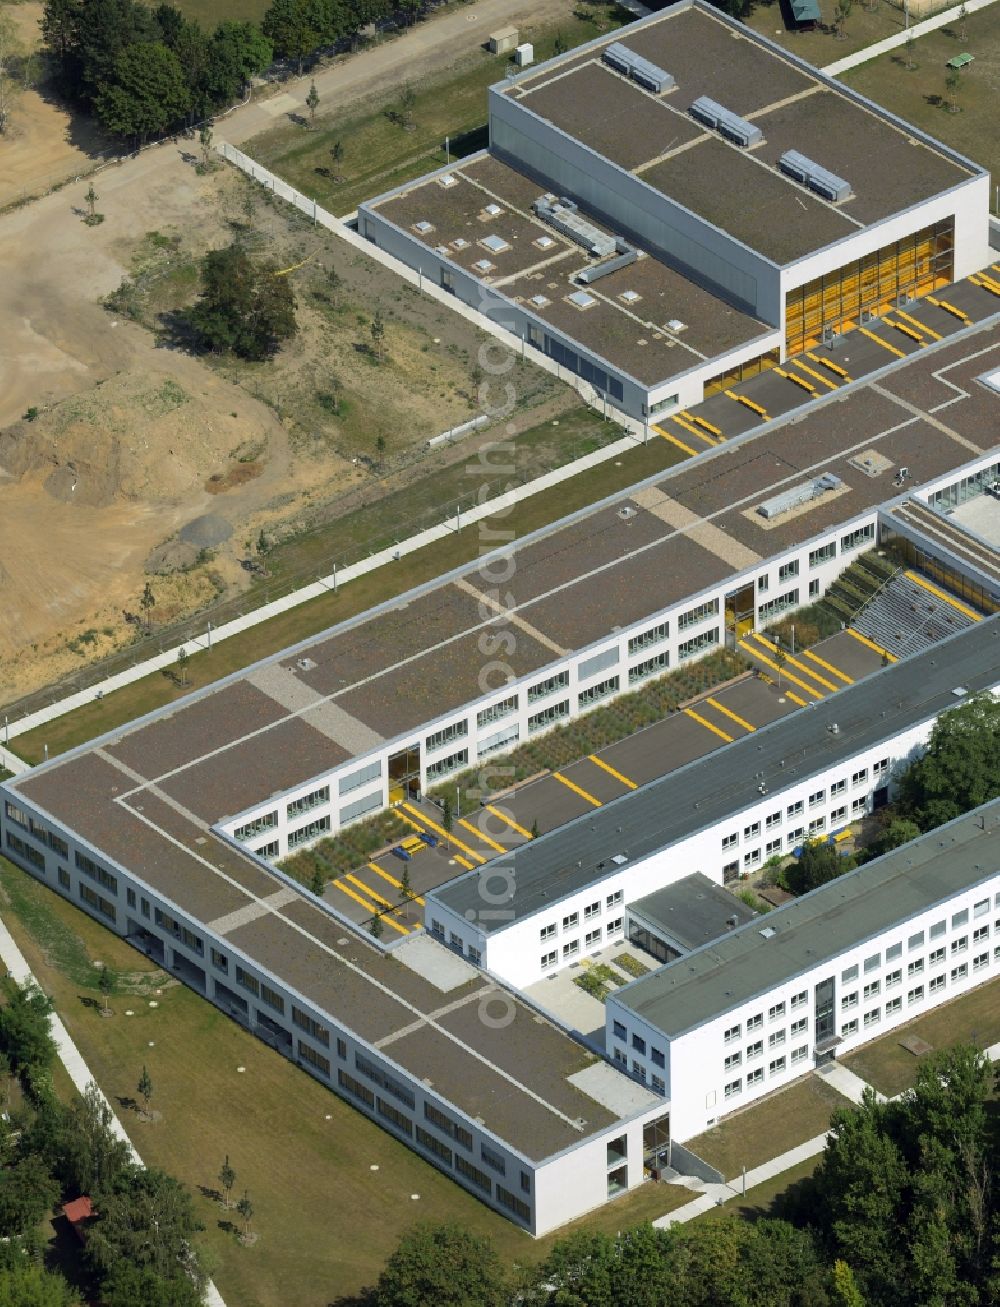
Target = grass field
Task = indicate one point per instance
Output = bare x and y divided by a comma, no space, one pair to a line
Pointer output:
919,95
209,13
326,1219
379,153
778,1123
974,1019
822,46
278,633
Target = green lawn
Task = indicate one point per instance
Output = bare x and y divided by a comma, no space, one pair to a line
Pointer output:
918,95
379,153
307,619
974,1019
778,1123
822,45
325,1218
209,13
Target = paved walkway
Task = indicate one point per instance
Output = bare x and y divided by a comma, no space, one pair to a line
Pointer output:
916,30
78,1071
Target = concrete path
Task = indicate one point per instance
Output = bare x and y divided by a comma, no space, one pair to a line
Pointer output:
78,1071
845,1082
916,30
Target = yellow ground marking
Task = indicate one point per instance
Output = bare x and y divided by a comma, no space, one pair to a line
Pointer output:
834,671
487,839
576,790
830,385
748,403
702,721
599,762
986,283
796,662
673,440
369,907
795,698
949,308
863,639
440,830
463,862
928,331
409,820
702,422
728,712
943,594
393,881
684,421
497,812
373,894
788,676
907,331
798,381
829,364
884,343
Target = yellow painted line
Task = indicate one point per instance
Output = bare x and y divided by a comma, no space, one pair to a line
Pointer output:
863,639
790,658
509,821
440,830
943,594
795,698
829,364
409,820
949,308
599,762
929,331
392,880
394,907
884,343
798,381
834,671
368,907
728,712
673,440
487,839
576,790
907,331
463,862
684,421
714,431
702,721
986,283
788,676
831,385
748,403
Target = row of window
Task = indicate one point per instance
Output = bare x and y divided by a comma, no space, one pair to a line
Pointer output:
592,940
776,1067
572,919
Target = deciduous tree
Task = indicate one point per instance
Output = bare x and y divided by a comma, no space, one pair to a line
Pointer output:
959,769
446,1265
146,93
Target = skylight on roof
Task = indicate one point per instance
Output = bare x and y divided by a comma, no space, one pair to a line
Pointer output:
545,242
495,244
494,210
540,301
423,226
629,297
581,299
447,180
460,244
483,265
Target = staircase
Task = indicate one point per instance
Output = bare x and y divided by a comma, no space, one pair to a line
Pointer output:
858,585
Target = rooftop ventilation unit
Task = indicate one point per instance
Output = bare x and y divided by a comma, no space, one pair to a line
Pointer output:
799,495
611,265
818,179
725,122
644,73
563,215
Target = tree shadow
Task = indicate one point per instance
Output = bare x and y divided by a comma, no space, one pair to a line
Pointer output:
127,1102
174,331
935,101
87,1001
227,1227
298,119
213,1195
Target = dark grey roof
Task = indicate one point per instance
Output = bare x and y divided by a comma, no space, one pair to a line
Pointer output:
822,925
724,783
692,911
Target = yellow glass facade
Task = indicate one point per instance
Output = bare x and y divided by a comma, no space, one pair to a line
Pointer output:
917,265
741,372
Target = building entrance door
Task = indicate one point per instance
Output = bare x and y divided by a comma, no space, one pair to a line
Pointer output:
404,775
739,615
